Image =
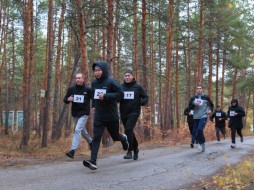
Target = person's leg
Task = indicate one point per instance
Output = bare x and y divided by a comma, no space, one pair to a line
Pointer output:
113,129
84,132
233,132
129,127
200,132
98,129
194,131
223,131
239,132
217,133
80,129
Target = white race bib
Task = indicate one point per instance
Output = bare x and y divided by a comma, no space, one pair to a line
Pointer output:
232,113
218,114
97,92
78,98
129,95
198,101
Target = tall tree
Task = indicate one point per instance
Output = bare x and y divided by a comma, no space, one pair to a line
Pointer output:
28,58
50,44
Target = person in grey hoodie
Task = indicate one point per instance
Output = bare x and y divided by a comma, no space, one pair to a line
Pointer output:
106,93
202,106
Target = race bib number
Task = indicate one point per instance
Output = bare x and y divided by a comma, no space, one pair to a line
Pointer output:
218,114
199,101
129,95
98,92
78,98
232,113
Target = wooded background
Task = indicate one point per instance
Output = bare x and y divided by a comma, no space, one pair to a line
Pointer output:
171,45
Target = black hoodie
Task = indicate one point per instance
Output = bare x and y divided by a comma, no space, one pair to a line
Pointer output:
106,109
130,107
235,121
220,118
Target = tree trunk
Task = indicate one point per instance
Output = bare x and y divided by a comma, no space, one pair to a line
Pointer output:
135,41
199,64
56,101
167,120
46,122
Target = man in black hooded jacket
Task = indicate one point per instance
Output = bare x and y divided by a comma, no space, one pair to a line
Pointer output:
106,94
130,106
235,115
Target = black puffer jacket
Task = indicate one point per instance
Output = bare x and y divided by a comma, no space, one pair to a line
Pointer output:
235,121
106,110
79,108
131,105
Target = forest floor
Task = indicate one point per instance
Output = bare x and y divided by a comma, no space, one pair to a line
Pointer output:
11,156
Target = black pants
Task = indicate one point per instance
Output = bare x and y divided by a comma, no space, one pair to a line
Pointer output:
98,129
233,133
129,124
222,130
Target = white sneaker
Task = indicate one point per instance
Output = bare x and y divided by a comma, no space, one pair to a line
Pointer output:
199,147
233,146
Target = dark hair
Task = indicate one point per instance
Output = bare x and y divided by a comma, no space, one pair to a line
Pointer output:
217,106
128,71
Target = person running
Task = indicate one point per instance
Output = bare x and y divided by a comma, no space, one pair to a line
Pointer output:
235,115
202,106
189,113
106,94
130,106
220,124
79,95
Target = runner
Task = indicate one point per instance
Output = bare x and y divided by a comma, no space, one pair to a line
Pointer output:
202,106
235,115
79,95
220,124
106,93
130,106
189,113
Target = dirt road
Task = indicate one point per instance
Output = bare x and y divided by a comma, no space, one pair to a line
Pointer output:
161,168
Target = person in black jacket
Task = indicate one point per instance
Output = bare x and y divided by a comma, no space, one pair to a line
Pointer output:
106,94
189,113
235,115
220,124
130,106
79,95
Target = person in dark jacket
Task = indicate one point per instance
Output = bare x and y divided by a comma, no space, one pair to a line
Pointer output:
130,106
79,95
235,115
106,94
202,106
220,124
189,113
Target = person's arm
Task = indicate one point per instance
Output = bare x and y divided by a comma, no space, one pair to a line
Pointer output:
240,112
117,92
212,116
144,96
224,115
68,94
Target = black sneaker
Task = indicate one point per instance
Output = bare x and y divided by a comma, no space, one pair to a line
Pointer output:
70,154
128,155
241,139
192,145
125,143
233,146
135,156
90,164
